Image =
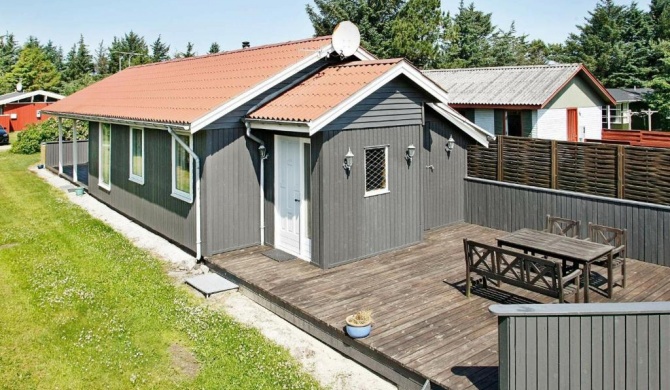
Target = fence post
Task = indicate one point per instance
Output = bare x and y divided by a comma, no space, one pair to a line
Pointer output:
500,158
620,171
554,164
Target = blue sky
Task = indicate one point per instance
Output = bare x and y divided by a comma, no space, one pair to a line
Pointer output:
231,22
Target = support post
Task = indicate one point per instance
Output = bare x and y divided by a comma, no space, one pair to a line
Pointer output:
609,118
554,164
501,173
60,145
75,160
620,169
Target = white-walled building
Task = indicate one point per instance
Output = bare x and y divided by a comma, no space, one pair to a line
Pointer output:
560,102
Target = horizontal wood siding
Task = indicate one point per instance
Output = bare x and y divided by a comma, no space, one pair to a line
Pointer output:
512,207
230,188
443,186
51,151
398,103
587,352
150,204
233,119
353,226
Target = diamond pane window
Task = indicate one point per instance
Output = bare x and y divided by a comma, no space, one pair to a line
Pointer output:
376,170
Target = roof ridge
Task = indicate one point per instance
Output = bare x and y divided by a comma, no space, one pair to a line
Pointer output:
223,53
370,62
576,64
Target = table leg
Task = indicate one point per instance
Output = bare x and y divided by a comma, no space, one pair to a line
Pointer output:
587,277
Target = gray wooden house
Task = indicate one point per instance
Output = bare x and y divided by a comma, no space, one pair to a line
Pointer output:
290,145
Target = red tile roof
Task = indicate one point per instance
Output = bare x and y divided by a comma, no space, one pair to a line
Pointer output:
181,91
323,91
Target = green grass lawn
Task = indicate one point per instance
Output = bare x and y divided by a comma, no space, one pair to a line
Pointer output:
81,307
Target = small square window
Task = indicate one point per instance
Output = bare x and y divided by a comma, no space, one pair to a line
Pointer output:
376,170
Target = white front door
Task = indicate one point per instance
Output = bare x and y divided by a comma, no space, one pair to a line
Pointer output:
291,202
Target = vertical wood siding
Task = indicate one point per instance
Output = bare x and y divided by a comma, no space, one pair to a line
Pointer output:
587,352
443,191
230,189
510,207
353,226
150,204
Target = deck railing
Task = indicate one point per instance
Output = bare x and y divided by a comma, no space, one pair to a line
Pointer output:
588,346
616,171
51,153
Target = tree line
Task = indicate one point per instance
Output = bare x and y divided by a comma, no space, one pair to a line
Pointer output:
623,45
45,66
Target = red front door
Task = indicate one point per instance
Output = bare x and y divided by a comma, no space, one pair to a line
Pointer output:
572,125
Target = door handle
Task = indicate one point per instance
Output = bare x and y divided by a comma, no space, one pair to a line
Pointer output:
431,167
297,200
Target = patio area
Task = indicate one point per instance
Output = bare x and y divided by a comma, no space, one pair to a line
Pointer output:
424,324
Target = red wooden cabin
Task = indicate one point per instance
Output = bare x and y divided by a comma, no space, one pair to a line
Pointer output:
18,109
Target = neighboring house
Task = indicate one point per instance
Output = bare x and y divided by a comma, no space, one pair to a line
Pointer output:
561,102
625,114
249,147
18,109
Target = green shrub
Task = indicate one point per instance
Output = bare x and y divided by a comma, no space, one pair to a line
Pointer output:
30,139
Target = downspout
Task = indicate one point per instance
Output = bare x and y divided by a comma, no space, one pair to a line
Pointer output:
198,223
263,157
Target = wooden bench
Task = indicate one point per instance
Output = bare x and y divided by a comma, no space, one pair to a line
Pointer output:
518,269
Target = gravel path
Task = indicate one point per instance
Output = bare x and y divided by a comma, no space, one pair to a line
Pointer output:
328,366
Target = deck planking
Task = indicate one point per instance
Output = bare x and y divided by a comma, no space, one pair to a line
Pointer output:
423,321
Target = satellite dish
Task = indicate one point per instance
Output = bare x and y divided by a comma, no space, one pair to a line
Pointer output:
346,39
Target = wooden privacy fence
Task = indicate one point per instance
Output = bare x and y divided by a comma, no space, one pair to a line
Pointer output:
637,137
616,171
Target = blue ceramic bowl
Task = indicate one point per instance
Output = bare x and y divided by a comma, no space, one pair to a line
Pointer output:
357,332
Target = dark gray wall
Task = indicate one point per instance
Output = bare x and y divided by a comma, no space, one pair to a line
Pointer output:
230,187
587,352
398,103
51,151
150,204
351,225
443,187
511,207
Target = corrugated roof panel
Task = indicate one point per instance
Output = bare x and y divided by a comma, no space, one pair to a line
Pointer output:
183,90
511,85
323,91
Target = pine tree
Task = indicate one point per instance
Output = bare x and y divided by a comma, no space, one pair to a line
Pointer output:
659,100
159,51
32,41
468,38
101,65
214,48
9,52
659,12
54,54
79,61
188,53
416,32
34,70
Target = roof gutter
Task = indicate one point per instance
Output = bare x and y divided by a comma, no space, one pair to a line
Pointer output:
118,121
198,220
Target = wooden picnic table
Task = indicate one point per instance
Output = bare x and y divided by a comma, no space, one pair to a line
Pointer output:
561,247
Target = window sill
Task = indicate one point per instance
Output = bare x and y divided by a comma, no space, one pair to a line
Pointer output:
106,187
137,179
182,196
376,192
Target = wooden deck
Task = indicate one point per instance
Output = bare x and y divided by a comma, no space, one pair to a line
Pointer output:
423,321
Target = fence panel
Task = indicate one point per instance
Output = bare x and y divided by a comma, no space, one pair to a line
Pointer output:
483,162
647,175
527,161
590,170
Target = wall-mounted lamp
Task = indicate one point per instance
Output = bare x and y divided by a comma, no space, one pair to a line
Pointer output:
348,160
39,114
263,151
450,144
411,150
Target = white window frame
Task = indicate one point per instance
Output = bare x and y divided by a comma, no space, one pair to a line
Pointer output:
101,184
132,177
378,191
185,196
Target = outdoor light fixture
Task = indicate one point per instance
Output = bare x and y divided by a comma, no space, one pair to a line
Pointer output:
450,144
348,160
263,151
411,150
